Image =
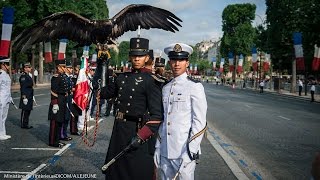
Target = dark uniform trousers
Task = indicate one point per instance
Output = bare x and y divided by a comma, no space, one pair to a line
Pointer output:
26,89
137,93
76,112
58,97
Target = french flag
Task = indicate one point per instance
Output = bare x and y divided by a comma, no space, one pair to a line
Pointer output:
231,61
240,64
254,59
221,65
214,63
47,52
297,41
316,59
62,49
8,13
267,62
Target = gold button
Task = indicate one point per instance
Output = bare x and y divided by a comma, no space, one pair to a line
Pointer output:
126,76
132,89
171,93
122,82
120,88
124,120
130,97
168,133
169,123
136,83
128,104
118,102
127,111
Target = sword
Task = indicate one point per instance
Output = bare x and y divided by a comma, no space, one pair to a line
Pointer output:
70,110
106,166
14,104
34,100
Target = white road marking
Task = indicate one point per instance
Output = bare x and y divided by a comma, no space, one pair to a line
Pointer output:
34,172
284,118
13,172
248,106
40,149
62,150
226,157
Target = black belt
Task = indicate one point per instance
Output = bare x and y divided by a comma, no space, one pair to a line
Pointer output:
124,117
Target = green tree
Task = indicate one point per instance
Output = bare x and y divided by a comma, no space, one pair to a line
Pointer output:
123,51
238,33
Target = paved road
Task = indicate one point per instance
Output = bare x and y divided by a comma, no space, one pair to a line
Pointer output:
270,136
27,151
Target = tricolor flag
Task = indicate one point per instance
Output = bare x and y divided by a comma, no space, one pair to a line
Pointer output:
47,52
297,41
7,13
190,69
62,49
195,71
231,61
240,64
267,62
214,63
254,59
316,59
82,87
85,51
221,65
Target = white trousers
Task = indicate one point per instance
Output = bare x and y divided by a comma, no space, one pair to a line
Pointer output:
4,108
171,168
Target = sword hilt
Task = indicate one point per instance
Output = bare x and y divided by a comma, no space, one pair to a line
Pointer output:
106,166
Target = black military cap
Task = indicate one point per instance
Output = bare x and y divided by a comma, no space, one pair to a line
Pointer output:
4,60
150,53
160,62
61,62
27,64
139,47
68,63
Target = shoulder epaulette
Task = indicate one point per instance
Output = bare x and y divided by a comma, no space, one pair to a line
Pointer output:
193,80
155,77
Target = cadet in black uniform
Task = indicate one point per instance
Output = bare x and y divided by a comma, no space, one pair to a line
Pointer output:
26,99
137,93
67,75
57,106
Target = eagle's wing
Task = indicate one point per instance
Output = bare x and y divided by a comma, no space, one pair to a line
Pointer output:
146,16
56,26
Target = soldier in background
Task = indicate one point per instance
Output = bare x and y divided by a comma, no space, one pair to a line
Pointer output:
26,99
137,93
69,84
5,97
57,106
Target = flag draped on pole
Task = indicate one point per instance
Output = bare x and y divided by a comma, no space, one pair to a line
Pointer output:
297,41
254,59
240,64
231,61
82,87
8,13
47,52
62,49
214,63
316,59
221,65
267,62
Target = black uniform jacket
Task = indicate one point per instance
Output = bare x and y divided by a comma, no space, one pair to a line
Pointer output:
137,93
26,89
58,96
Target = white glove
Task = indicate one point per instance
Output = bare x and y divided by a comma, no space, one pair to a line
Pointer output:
55,108
25,101
156,157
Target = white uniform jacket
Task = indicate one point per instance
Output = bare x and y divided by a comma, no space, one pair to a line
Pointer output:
5,87
185,107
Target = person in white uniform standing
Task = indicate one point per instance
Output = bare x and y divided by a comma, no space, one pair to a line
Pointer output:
5,97
185,109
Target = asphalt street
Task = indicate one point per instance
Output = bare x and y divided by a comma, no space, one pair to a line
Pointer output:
27,152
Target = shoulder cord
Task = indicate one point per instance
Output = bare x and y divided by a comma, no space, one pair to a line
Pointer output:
194,156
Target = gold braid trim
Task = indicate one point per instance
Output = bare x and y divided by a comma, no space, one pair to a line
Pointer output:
54,94
199,133
153,122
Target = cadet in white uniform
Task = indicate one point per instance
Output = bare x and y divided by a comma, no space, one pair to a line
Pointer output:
5,97
185,108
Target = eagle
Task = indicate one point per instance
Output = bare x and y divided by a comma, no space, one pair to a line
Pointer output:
84,31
